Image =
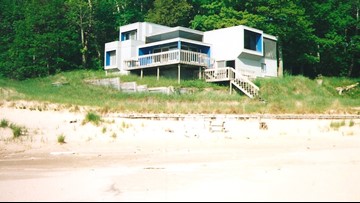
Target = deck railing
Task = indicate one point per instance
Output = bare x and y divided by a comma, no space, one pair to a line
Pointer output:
167,58
219,74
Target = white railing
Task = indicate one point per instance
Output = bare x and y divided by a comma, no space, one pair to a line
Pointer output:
166,58
236,78
219,74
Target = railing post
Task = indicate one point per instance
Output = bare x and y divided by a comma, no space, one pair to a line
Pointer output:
199,73
179,73
158,73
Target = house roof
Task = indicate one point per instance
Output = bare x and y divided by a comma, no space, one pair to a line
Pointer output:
176,32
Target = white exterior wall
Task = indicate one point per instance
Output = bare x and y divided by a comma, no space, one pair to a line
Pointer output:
112,46
249,67
128,49
225,43
271,67
228,44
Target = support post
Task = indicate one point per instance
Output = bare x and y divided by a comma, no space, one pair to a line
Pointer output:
141,73
230,87
179,73
199,73
158,74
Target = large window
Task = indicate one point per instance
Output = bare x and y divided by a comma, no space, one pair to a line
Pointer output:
111,58
128,35
269,48
252,41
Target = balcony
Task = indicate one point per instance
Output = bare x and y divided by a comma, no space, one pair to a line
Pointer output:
168,58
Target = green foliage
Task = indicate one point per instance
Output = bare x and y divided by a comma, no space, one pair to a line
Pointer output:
93,118
298,94
290,94
40,38
336,125
61,139
17,130
351,123
170,12
4,123
131,11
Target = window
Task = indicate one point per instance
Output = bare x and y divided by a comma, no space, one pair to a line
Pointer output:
220,64
269,49
252,41
131,35
263,67
111,58
230,63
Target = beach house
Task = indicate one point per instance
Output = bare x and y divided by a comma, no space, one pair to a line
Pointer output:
235,54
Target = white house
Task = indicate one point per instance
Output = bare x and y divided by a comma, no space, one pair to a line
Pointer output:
235,54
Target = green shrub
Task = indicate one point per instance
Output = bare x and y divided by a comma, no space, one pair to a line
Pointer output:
61,139
17,130
337,125
352,123
4,123
93,118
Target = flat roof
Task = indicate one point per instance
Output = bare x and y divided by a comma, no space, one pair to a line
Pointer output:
176,32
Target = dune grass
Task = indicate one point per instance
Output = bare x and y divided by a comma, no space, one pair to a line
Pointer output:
289,94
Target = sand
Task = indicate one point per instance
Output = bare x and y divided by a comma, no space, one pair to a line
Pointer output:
124,159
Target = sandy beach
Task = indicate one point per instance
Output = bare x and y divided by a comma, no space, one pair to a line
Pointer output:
127,159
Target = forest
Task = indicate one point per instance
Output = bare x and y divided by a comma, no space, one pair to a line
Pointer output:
44,37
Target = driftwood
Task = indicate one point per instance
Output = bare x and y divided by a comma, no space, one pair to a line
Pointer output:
346,88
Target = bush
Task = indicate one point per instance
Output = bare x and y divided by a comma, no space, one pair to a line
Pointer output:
17,130
61,139
93,118
4,123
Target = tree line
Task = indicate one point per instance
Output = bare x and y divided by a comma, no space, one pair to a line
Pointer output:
44,37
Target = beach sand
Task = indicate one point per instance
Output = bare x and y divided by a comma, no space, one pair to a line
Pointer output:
124,159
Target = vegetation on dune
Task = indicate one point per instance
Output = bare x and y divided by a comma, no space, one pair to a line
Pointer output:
289,94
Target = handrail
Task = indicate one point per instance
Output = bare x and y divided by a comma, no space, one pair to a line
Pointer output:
242,78
168,57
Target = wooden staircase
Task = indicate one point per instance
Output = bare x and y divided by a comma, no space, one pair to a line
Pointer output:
245,85
236,79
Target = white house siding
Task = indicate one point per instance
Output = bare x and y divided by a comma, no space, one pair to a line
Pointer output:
115,60
249,67
225,43
271,67
129,48
228,44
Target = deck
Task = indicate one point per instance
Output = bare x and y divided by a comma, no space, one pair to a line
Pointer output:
168,58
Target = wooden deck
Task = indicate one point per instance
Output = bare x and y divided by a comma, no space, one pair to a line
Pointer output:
168,58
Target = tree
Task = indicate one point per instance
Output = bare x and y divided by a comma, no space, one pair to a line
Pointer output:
40,42
80,14
219,14
336,27
170,12
131,11
284,19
